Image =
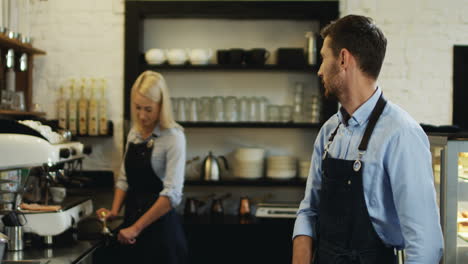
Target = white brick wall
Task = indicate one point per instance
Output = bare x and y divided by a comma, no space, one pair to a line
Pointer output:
85,39
82,39
417,72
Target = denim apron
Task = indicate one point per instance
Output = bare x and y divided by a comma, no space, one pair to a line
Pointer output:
345,231
163,241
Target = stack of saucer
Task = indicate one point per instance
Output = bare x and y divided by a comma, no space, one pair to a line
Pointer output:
248,163
281,167
304,167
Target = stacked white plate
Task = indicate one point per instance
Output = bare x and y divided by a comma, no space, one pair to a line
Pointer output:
304,167
281,167
248,163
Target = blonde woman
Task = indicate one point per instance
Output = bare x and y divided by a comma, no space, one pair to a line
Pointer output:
151,178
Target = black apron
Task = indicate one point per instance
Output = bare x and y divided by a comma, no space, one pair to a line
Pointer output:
162,242
345,231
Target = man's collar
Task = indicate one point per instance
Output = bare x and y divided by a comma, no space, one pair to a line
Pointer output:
361,115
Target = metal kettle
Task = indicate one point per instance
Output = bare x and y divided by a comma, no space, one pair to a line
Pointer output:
210,169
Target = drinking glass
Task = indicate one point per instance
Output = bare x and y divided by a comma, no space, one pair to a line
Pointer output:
181,109
286,113
262,113
192,110
231,109
273,113
253,109
243,111
218,109
205,109
174,102
298,102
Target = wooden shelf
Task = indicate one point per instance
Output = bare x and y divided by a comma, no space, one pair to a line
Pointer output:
249,125
257,182
240,67
21,113
18,46
97,136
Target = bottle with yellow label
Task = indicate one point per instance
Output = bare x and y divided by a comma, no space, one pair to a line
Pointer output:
62,109
83,110
103,109
93,113
72,109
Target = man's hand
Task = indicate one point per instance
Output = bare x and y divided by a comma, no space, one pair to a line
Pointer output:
302,250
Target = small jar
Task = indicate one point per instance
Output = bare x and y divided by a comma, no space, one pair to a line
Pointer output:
286,113
273,113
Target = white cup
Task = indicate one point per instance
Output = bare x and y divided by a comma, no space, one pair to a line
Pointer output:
58,194
200,56
176,56
155,56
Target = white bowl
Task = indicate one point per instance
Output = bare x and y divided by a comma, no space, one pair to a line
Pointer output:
249,154
282,158
303,174
281,174
199,62
155,56
176,62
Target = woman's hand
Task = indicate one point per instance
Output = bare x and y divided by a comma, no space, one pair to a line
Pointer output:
128,235
105,214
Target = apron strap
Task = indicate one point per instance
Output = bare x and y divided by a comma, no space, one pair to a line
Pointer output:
374,117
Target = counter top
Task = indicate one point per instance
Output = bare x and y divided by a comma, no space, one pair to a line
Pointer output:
65,250
56,255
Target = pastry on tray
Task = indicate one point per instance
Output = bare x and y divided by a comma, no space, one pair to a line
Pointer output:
462,221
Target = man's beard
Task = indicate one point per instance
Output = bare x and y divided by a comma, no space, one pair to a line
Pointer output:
334,85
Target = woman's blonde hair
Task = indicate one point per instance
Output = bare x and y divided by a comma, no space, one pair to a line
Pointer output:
152,85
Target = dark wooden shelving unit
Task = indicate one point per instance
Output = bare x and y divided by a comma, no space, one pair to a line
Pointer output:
258,182
241,67
137,11
248,125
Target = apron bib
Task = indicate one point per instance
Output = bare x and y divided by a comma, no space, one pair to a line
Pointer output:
163,241
345,231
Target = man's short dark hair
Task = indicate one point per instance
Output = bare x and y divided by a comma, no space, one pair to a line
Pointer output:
362,38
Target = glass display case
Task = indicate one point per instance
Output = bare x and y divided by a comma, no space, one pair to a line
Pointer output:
450,165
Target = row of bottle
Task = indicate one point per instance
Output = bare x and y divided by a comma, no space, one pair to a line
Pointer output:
83,115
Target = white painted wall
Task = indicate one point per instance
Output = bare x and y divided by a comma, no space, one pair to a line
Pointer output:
85,39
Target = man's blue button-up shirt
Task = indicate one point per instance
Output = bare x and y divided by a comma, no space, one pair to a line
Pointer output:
397,179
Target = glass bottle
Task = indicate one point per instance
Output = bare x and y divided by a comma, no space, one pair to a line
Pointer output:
72,109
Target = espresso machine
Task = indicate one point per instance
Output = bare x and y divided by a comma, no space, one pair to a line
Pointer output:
31,150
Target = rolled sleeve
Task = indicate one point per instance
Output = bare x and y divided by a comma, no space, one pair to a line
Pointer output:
307,214
175,169
121,182
410,173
